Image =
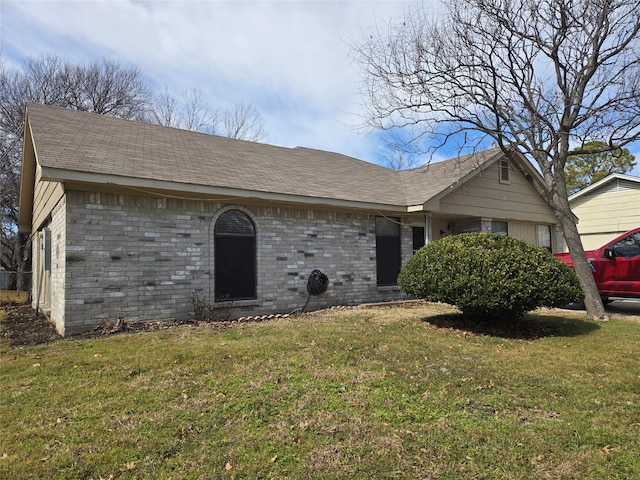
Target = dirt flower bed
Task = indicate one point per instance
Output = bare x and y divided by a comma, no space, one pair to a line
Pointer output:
21,327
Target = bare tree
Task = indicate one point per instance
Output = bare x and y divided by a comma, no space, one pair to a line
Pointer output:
164,110
191,114
107,88
103,87
197,115
242,122
545,77
14,252
398,152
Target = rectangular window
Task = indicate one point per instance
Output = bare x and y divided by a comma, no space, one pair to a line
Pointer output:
235,268
46,249
42,267
418,238
501,228
504,171
388,256
544,236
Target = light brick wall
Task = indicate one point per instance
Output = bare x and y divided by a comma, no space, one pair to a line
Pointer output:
49,293
142,258
58,265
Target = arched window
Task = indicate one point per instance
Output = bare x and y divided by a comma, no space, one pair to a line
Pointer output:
235,257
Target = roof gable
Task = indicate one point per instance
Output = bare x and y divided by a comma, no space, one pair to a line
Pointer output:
605,183
436,179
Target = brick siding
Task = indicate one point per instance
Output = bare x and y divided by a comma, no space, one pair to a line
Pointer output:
143,258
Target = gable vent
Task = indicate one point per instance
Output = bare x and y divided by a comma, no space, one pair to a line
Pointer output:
617,185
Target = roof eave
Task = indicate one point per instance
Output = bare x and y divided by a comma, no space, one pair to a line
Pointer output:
27,181
174,189
433,203
604,181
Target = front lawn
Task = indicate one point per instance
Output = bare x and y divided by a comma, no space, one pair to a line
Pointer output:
403,392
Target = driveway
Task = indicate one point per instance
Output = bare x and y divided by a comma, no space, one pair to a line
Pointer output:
622,308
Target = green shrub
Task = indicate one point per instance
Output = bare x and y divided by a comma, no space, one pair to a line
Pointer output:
489,276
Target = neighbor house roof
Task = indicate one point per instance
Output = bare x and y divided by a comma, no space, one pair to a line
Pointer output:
72,146
603,182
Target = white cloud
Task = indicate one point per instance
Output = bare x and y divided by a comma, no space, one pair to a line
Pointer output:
289,59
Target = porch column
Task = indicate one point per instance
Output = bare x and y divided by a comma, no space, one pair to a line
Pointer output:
428,237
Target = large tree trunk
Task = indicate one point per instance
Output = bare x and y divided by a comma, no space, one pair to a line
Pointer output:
592,301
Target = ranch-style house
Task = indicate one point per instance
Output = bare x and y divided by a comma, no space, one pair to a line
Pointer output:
130,220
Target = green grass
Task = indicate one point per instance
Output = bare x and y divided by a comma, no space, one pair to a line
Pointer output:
359,394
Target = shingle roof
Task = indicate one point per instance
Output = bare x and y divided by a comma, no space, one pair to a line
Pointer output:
600,183
426,182
73,141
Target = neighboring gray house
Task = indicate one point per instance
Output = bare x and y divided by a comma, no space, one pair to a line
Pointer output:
130,219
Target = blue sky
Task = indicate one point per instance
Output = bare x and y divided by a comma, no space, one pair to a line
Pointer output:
290,59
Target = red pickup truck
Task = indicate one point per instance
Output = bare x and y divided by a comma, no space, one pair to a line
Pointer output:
615,265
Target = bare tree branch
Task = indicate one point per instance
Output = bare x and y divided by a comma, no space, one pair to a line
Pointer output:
545,77
243,122
101,87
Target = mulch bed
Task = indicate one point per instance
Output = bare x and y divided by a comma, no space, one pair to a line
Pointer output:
22,328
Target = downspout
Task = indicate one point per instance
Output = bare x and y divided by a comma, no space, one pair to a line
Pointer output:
45,262
40,273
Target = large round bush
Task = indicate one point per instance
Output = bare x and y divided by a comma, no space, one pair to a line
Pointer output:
489,276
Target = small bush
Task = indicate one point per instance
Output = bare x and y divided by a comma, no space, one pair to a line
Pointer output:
204,311
489,276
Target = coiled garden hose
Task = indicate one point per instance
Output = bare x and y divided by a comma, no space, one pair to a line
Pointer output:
316,285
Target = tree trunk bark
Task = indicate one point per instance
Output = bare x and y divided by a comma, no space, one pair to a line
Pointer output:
592,301
23,254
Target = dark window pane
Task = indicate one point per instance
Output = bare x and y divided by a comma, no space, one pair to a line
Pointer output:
504,171
388,257
235,257
235,268
418,238
544,236
387,227
500,227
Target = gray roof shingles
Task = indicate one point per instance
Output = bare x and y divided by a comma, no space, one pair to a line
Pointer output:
426,182
97,144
